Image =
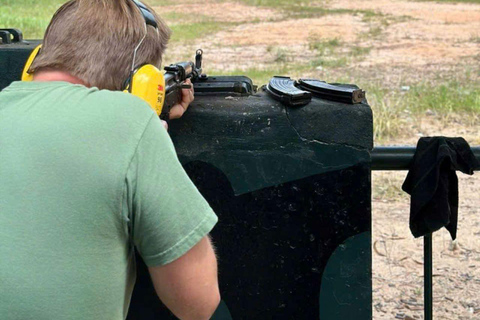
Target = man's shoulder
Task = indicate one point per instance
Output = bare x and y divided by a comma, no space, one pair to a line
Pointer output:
83,100
114,115
121,103
116,110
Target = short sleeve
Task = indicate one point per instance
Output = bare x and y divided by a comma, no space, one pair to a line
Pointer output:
168,214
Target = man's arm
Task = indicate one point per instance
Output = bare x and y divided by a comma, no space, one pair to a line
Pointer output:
178,110
188,286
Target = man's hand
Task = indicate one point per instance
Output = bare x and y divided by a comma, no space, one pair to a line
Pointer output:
187,97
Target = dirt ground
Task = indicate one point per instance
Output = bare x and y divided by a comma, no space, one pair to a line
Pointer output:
404,38
403,42
398,257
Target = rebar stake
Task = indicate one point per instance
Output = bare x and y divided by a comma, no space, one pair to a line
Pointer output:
427,276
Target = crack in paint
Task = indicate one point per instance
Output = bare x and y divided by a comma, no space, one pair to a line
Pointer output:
315,140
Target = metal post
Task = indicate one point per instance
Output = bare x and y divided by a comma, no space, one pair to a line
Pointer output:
427,276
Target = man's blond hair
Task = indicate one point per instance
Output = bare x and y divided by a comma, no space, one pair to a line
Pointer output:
94,40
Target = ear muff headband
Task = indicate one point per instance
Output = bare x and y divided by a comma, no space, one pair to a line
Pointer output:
147,15
146,81
149,20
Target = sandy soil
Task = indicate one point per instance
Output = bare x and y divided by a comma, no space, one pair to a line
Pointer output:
295,31
433,33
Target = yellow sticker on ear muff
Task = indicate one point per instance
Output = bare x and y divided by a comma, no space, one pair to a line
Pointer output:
25,75
148,83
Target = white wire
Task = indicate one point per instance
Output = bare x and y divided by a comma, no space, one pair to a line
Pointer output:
138,46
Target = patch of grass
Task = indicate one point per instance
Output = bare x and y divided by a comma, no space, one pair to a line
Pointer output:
375,31
330,62
173,18
31,17
323,47
399,19
299,9
330,57
190,31
445,98
369,15
281,55
326,51
357,51
192,27
313,11
388,113
475,39
393,109
418,291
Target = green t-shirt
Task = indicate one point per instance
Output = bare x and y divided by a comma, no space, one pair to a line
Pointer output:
85,174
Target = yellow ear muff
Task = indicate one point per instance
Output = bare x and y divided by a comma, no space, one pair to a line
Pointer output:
25,75
148,83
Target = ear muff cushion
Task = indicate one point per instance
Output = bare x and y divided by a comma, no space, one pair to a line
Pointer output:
148,83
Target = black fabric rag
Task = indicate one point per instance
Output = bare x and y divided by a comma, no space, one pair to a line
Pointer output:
433,184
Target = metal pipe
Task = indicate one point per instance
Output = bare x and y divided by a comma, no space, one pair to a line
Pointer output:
427,277
400,158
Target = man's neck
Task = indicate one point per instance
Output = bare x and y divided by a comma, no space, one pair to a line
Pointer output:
54,75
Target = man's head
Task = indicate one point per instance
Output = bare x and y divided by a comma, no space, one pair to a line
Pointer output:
94,40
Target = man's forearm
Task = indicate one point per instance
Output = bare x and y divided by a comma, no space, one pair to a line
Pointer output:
189,285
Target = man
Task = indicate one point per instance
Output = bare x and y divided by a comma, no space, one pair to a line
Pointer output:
87,174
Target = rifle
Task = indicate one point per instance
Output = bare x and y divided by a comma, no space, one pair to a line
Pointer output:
175,77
